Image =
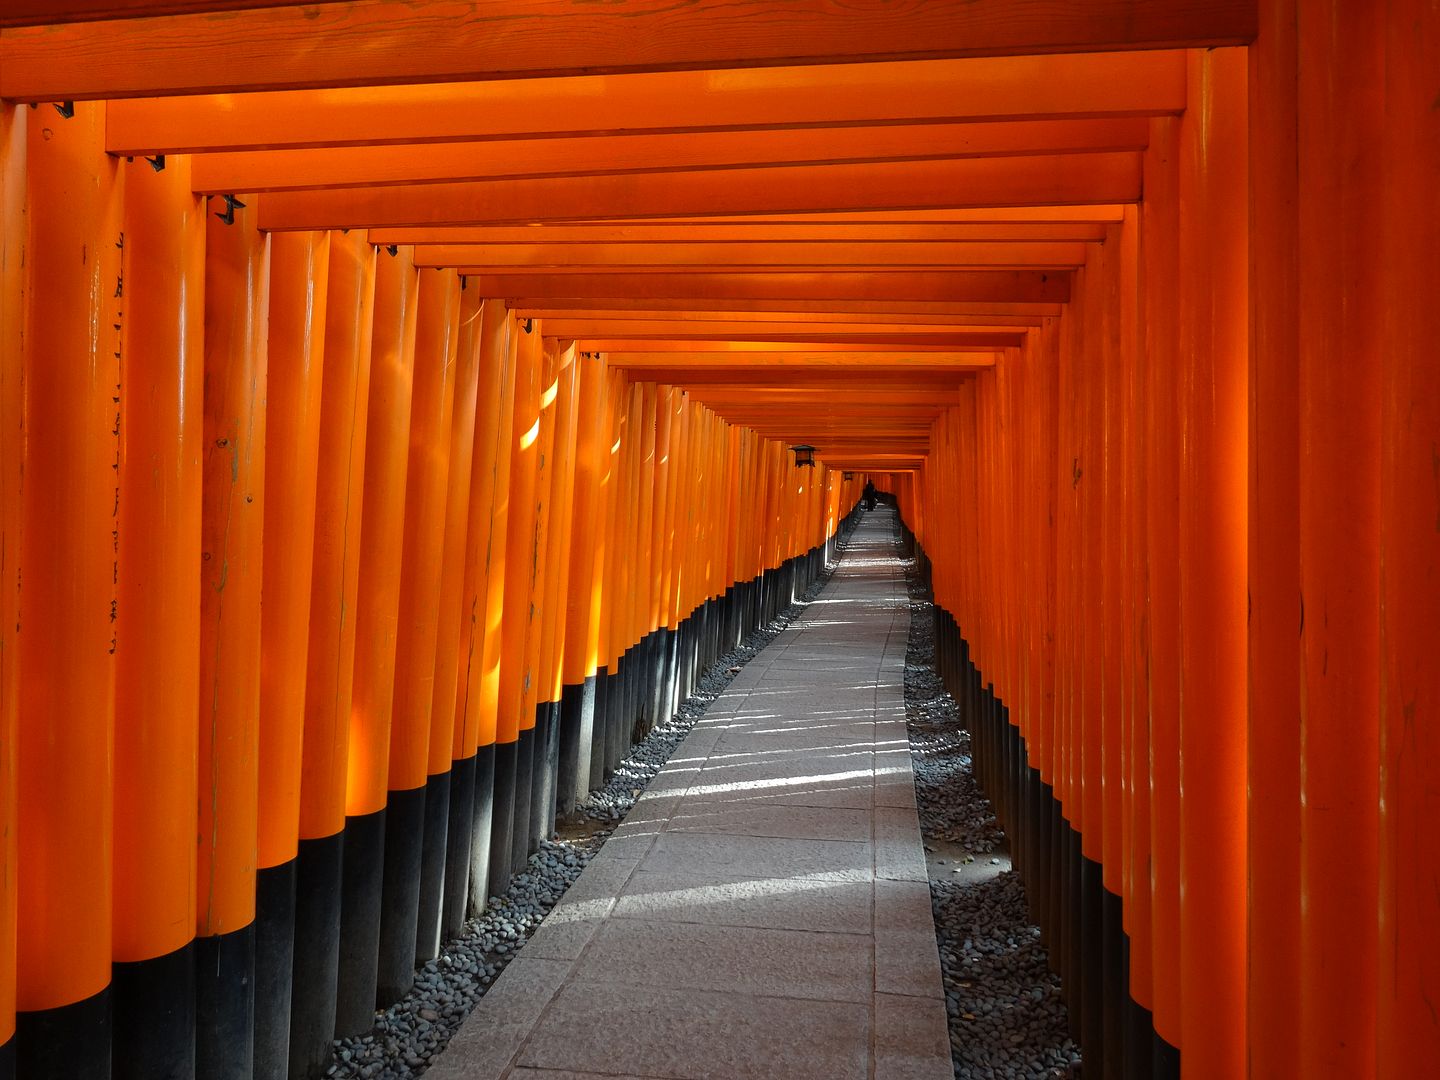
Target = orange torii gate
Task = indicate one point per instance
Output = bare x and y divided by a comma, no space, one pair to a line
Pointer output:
461,355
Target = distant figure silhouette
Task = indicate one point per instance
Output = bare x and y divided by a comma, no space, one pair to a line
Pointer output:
869,495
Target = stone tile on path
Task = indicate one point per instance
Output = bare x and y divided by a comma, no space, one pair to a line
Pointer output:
763,910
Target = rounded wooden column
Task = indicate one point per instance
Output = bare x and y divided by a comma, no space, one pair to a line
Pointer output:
66,700
156,738
299,283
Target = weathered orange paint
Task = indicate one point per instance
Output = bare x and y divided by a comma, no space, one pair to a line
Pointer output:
299,284
426,497
158,592
377,603
1213,364
329,682
12,339
71,364
445,733
237,307
1407,1027
522,523
483,607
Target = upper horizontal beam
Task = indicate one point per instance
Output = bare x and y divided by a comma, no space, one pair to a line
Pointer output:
709,256
1040,180
1031,312
740,232
41,12
367,166
373,42
976,286
756,364
1104,85
582,327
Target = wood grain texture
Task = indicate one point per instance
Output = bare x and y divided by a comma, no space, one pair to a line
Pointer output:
371,42
999,286
976,90
1040,180
369,166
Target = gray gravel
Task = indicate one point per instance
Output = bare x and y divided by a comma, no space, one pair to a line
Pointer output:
1007,1018
409,1035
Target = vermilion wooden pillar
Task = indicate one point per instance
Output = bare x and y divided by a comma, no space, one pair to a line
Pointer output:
481,631
556,581
159,593
449,795
71,365
1407,1027
387,440
1161,258
12,315
579,661
1213,368
329,685
520,526
299,283
1273,988
408,862
237,283
1341,300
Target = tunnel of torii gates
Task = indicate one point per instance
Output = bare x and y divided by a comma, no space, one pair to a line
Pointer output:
396,405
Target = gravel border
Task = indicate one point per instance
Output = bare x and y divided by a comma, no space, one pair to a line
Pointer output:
412,1033
1007,1017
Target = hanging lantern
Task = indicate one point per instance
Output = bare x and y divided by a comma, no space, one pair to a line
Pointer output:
804,454
848,476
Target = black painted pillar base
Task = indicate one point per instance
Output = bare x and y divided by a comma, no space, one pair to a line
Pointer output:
577,733
552,768
153,1016
428,934
482,830
1113,993
362,885
616,719
65,1042
1137,1024
317,954
7,1059
274,967
600,731
399,898
1164,1059
502,820
542,786
524,783
225,1006
458,837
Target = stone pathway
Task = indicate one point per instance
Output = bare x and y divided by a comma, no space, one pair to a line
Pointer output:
764,910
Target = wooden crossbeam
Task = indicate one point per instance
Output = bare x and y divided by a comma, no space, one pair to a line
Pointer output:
950,287
751,364
365,166
1041,180
739,329
742,347
1031,88
372,42
740,231
1027,312
675,257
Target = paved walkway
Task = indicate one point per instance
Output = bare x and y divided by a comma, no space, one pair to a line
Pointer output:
764,910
